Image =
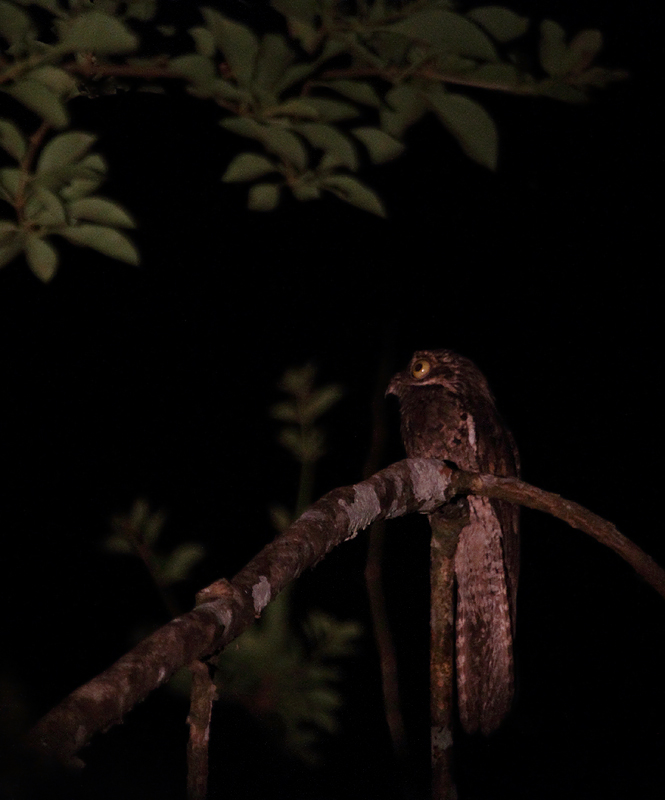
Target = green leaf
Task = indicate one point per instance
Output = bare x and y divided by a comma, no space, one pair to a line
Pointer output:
244,126
204,41
194,67
238,43
393,48
181,562
59,81
295,107
143,10
87,177
248,167
305,190
12,140
358,91
306,446
45,208
501,23
64,149
105,240
280,518
585,47
555,57
381,146
152,527
263,197
49,5
303,9
306,33
42,257
409,106
469,123
101,210
228,91
15,24
352,191
286,411
58,178
294,74
273,58
338,149
10,181
138,516
10,249
286,145
40,99
445,30
97,32
117,543
320,401
298,381
8,231
276,139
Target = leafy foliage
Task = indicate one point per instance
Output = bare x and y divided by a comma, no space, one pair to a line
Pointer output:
336,87
57,199
288,678
138,532
288,675
285,674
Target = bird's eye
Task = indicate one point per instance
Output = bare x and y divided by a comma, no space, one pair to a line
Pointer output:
420,368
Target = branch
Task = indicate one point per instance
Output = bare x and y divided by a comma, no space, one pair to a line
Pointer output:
394,74
578,517
203,695
90,68
225,609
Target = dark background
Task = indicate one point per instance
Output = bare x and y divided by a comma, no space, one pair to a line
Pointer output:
156,382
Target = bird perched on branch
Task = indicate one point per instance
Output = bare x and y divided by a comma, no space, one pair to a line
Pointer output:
448,412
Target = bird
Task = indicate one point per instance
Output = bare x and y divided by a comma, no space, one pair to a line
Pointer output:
448,412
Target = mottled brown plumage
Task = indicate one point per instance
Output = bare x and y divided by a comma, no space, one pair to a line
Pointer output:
448,412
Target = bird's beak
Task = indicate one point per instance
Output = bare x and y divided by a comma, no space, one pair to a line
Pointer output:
393,386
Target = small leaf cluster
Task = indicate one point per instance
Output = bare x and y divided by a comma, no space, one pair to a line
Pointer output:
301,435
57,198
304,405
137,533
36,64
287,674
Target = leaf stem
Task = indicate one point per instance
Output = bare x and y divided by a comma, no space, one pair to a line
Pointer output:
25,166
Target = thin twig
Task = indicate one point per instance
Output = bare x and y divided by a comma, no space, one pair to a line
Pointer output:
578,517
374,583
392,74
203,694
35,140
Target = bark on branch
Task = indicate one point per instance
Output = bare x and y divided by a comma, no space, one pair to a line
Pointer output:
226,608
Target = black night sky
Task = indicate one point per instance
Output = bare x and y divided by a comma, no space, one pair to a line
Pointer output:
156,382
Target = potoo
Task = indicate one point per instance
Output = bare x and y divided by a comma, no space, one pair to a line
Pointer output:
448,412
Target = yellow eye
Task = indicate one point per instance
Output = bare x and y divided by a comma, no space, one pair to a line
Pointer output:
420,368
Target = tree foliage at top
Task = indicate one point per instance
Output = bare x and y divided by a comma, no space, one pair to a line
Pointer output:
332,88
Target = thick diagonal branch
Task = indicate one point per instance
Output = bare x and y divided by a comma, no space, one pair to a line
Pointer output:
226,608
